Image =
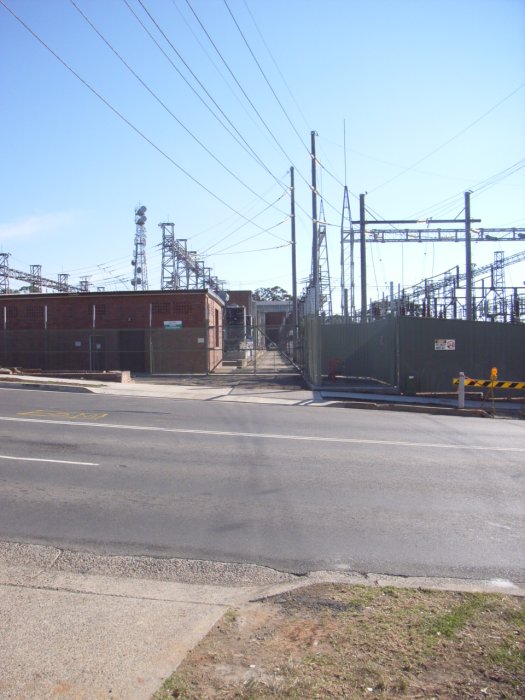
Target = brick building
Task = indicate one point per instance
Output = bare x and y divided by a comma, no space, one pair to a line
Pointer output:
158,332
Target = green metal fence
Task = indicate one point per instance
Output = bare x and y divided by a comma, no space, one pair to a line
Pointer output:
411,354
154,351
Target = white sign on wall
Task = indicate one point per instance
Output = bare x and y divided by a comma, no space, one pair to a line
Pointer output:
444,344
172,325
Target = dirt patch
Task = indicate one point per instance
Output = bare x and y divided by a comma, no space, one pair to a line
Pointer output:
339,641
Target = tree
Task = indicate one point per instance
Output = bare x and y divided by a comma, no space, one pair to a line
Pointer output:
271,294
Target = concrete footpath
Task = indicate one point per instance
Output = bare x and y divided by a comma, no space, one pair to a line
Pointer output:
265,390
80,626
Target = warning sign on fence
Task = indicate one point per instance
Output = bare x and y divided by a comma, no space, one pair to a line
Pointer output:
444,344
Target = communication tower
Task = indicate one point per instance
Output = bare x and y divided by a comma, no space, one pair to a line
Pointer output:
140,272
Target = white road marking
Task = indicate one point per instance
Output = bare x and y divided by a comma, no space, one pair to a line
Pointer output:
272,436
52,461
502,583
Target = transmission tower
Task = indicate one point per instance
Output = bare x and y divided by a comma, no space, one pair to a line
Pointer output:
183,268
325,289
36,273
63,282
347,260
140,274
168,276
4,273
84,284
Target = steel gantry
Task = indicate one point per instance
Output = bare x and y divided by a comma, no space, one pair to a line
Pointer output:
417,234
444,296
34,278
182,268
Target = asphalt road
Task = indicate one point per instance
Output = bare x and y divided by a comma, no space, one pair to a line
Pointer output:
295,488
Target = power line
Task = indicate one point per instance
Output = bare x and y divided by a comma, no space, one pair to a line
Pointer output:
221,240
256,250
255,235
270,132
276,64
165,107
124,119
264,76
452,138
446,205
247,146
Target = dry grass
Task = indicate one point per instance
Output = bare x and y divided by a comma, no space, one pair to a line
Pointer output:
333,641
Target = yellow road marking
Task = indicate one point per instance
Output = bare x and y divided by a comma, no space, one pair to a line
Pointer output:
68,415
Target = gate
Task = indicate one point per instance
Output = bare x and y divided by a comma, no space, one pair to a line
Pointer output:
258,349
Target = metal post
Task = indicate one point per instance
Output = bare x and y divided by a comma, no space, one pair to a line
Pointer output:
294,264
315,242
363,256
468,258
461,390
5,335
150,339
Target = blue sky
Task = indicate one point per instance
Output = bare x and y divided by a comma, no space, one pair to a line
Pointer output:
428,95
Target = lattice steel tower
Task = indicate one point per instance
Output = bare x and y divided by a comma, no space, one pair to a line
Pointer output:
347,260
140,273
183,268
4,273
325,289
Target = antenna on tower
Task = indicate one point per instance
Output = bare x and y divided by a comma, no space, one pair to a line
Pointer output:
347,260
140,272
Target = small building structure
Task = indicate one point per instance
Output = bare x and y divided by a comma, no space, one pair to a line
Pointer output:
273,321
156,332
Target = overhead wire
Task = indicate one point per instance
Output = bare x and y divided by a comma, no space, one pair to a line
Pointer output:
246,145
275,63
257,63
256,250
163,105
452,138
125,119
447,204
221,240
255,235
243,91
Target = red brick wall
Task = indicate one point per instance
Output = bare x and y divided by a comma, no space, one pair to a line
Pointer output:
64,342
118,310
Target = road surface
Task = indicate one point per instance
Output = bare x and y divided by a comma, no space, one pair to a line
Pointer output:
299,489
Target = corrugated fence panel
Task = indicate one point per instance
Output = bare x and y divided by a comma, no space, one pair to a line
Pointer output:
362,349
434,351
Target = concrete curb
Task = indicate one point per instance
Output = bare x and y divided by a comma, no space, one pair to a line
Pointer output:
317,398
83,626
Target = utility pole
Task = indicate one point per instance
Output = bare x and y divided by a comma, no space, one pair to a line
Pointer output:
347,260
363,256
468,258
315,254
294,262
